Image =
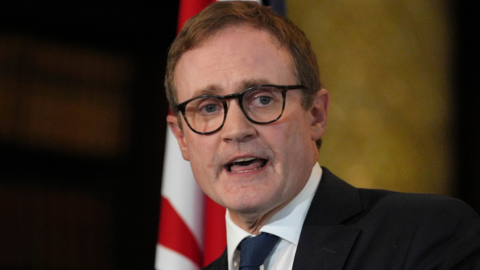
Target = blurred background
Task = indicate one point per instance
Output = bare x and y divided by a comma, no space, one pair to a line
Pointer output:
82,115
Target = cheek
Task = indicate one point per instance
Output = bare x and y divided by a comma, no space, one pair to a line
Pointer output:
292,145
294,133
284,140
202,156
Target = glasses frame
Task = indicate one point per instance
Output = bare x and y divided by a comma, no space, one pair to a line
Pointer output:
239,96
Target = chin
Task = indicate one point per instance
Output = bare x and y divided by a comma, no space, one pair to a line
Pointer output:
247,206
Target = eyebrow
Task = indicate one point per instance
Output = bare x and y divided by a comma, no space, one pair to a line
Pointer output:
214,89
209,90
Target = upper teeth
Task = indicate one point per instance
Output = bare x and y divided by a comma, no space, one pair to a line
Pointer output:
243,159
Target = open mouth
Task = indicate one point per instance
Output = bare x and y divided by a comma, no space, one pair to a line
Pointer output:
242,165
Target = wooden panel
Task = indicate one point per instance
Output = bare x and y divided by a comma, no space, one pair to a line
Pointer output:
10,51
63,97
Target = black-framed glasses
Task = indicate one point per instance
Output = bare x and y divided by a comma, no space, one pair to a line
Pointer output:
262,104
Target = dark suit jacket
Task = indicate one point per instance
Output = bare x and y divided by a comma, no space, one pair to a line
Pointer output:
350,228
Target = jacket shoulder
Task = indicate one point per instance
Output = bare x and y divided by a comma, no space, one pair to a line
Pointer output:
219,264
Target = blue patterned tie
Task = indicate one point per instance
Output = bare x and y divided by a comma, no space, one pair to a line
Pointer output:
254,250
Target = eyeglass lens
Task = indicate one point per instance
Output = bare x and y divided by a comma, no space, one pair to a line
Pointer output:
262,105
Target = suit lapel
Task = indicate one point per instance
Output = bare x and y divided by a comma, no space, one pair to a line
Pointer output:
325,243
328,248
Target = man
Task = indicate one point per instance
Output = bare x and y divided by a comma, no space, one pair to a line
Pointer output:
249,114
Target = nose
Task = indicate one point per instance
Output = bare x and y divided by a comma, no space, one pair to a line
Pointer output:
237,128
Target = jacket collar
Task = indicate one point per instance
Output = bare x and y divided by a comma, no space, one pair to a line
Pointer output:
324,242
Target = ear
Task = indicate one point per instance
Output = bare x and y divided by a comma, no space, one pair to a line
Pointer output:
319,114
177,131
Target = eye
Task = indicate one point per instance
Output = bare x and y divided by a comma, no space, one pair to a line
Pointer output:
209,106
263,97
264,100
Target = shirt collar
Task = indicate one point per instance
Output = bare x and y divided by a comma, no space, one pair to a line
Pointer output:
286,223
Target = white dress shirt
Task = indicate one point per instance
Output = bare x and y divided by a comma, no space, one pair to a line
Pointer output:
286,224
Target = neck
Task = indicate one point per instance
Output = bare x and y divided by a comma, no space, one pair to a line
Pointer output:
253,222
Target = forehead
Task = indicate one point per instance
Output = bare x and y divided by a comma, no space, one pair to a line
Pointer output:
231,59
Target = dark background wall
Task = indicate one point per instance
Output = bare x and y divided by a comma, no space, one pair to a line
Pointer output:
466,93
82,132
82,128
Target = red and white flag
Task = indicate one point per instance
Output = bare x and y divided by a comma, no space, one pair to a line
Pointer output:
188,218
192,230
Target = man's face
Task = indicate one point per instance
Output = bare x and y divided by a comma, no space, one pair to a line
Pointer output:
283,153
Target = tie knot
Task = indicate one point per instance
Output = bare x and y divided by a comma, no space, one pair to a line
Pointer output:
254,250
